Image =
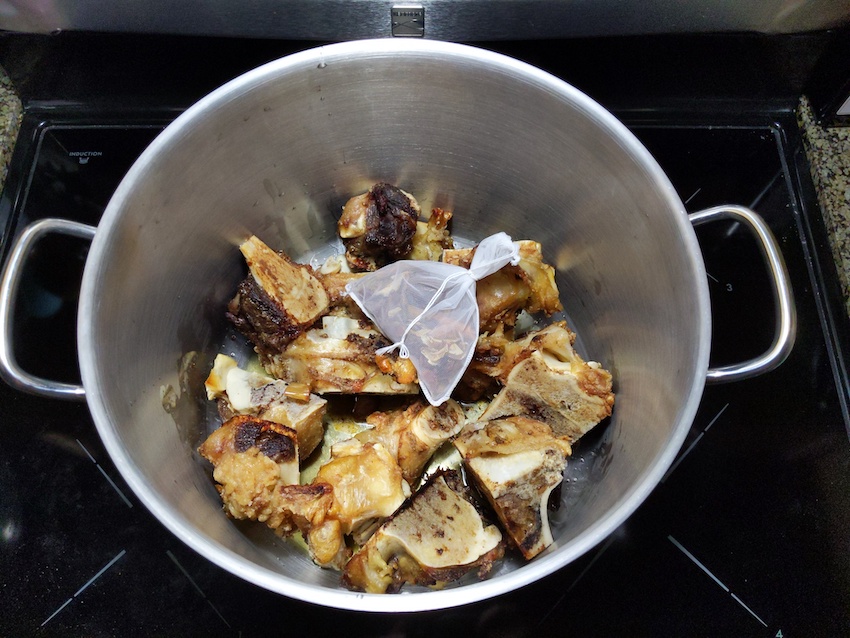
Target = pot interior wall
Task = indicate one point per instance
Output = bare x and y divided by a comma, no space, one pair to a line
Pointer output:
277,152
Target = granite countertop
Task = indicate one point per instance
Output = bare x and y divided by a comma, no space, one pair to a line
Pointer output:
828,150
11,112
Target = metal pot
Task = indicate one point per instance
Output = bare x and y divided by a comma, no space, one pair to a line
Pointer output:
276,152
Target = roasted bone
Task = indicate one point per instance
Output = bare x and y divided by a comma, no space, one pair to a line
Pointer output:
245,392
414,433
252,460
516,463
367,482
339,357
545,378
255,466
377,227
437,538
432,237
278,300
528,286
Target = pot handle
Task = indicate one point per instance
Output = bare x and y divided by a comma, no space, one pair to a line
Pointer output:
9,369
786,314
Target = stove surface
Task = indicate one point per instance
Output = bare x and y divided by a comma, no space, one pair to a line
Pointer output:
746,535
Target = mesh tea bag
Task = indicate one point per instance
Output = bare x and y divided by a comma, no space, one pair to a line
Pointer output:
429,310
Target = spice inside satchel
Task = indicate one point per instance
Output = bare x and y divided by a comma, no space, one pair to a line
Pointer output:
429,311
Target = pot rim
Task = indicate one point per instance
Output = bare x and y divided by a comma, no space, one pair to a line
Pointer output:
543,565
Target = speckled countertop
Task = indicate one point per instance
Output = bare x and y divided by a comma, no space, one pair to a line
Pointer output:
828,150
10,120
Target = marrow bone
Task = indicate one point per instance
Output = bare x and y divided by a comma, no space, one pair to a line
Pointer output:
516,462
545,378
277,301
438,537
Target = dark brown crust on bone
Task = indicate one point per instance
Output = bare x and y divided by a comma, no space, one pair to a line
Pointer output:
390,226
256,315
266,436
273,440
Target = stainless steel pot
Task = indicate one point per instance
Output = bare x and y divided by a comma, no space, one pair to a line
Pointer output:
276,152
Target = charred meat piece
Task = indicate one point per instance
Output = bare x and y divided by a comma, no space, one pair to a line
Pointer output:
252,460
516,463
377,227
242,392
277,301
438,537
546,379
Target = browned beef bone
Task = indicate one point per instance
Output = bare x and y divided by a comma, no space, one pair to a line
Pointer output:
392,228
253,312
389,228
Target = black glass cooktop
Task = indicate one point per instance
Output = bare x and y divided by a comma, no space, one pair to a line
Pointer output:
746,535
